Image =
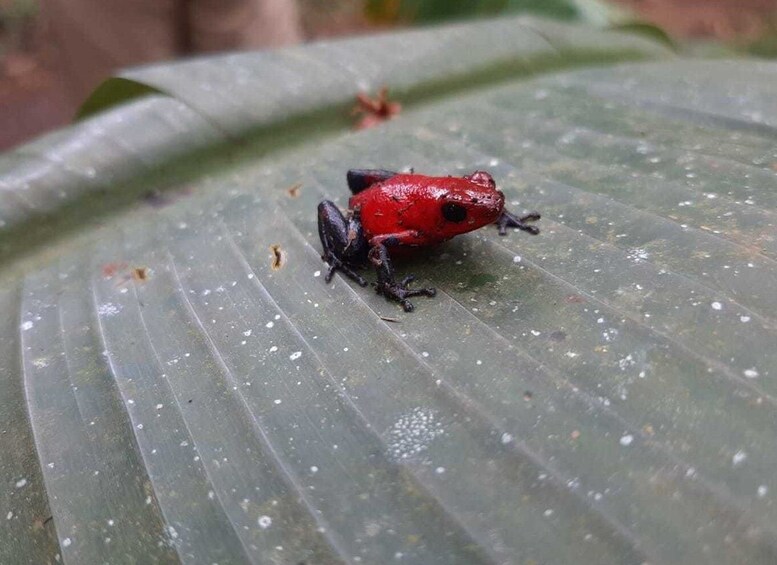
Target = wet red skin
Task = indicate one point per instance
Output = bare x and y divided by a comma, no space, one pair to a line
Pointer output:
408,207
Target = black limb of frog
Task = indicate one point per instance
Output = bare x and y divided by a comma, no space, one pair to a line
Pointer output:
387,284
345,247
362,179
510,220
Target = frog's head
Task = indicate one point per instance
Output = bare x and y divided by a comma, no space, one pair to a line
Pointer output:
471,204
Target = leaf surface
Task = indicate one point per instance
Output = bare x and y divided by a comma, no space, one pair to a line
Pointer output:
601,393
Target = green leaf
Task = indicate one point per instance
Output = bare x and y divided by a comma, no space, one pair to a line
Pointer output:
601,393
113,92
648,30
426,11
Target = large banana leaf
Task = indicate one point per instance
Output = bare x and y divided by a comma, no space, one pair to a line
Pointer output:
601,393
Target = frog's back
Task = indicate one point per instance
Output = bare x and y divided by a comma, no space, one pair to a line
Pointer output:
408,202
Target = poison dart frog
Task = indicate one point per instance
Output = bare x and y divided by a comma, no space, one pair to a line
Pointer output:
391,211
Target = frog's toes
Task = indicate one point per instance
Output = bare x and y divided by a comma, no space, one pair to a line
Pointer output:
336,264
510,220
400,292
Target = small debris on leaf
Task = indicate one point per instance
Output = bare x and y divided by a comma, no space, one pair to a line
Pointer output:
140,274
376,110
127,273
278,258
110,270
294,189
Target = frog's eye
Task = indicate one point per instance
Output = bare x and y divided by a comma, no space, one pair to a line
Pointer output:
454,212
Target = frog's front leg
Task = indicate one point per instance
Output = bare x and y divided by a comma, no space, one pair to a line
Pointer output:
387,284
345,247
510,220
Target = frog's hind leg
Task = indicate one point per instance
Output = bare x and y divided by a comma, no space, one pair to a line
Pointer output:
345,247
362,179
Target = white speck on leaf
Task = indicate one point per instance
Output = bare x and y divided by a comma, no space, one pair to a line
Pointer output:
609,334
738,458
108,309
21,483
296,355
626,440
626,362
717,306
751,373
264,522
413,433
638,255
27,325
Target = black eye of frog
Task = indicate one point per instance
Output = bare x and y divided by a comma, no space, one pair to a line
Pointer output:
454,212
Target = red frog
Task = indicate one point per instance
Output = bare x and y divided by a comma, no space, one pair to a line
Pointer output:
390,211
